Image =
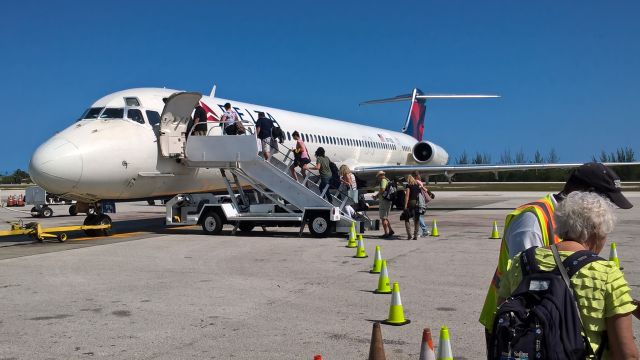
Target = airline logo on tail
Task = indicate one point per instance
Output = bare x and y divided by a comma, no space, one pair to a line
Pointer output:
417,112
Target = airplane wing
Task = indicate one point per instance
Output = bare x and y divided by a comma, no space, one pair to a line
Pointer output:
450,170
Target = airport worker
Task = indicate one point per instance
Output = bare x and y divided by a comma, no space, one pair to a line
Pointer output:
199,121
427,195
385,196
300,156
533,224
324,168
583,220
229,120
411,210
348,183
264,126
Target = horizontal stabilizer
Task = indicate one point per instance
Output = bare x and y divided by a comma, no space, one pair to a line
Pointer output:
429,96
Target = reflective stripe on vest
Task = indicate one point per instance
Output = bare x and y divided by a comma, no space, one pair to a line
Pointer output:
543,209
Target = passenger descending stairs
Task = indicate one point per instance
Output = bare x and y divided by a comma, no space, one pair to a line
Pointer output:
239,155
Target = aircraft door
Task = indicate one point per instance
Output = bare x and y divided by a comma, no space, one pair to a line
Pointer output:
174,123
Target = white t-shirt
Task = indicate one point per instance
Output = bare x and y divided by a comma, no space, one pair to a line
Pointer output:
524,232
229,117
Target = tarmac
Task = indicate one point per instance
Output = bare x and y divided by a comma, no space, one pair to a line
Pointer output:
149,292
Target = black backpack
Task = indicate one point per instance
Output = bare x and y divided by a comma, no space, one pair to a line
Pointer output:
389,192
335,175
540,320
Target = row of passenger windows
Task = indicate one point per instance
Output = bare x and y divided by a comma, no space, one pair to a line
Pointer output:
332,140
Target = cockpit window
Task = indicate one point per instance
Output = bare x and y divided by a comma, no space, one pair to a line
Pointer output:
154,117
112,113
92,113
135,115
131,101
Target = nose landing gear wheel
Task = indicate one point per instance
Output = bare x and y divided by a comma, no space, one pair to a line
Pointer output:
100,219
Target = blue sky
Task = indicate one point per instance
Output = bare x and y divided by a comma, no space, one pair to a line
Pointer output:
568,71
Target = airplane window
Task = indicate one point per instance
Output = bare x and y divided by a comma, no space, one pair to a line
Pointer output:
315,138
341,141
131,101
324,139
153,117
135,115
112,113
92,113
288,136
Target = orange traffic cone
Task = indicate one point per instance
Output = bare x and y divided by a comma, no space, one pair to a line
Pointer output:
376,350
317,357
426,349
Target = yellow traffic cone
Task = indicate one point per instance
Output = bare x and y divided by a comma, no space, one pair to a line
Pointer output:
360,252
353,228
613,254
444,347
383,280
396,314
494,232
352,240
434,228
377,261
426,349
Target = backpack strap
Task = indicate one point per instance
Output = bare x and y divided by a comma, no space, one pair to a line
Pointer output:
565,276
576,261
528,261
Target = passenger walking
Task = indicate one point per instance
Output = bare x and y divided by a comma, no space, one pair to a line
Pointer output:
323,165
300,156
348,186
533,224
583,220
427,196
264,127
199,121
411,210
232,125
385,196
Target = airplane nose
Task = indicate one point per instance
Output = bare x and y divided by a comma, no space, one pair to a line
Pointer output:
56,165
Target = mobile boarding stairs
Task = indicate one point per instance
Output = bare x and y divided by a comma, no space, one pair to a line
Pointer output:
260,192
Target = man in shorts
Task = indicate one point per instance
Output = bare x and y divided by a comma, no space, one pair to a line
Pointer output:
264,125
384,205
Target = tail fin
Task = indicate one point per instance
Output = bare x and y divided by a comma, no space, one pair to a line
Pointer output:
414,125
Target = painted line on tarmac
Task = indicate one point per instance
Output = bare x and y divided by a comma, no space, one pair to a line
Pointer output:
114,236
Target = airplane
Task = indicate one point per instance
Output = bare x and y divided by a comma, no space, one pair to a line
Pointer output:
118,151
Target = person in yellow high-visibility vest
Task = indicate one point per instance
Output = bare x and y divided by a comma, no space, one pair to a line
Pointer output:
532,224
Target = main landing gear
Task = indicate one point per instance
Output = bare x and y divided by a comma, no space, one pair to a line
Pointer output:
97,218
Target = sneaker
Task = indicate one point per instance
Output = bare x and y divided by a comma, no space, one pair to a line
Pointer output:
425,234
391,233
385,236
415,238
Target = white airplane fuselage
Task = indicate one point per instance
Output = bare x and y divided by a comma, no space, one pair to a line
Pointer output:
120,159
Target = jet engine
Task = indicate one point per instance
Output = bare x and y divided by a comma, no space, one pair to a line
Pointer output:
426,152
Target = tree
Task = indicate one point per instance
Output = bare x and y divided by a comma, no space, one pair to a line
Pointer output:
553,158
537,157
505,157
463,159
520,157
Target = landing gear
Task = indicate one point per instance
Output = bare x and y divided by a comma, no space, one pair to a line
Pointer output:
97,219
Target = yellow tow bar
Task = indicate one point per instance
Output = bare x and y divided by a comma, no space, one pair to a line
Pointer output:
39,233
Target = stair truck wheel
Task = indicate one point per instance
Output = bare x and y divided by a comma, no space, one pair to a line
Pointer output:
46,211
73,210
246,226
211,223
319,225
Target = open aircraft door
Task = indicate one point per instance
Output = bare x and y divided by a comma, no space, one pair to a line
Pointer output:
174,123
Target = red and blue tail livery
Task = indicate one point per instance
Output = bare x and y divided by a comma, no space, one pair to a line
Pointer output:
415,121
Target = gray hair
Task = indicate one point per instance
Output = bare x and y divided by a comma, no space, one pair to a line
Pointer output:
584,217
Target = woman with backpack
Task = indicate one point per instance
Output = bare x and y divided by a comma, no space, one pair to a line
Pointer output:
348,182
411,209
323,165
603,297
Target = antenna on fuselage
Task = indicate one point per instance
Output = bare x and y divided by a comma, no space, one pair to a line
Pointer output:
213,91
